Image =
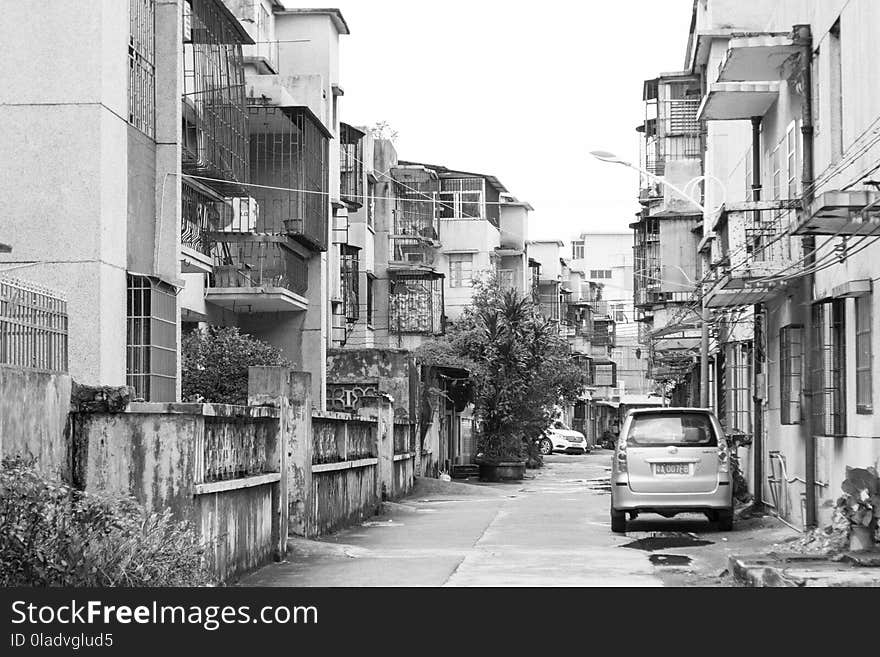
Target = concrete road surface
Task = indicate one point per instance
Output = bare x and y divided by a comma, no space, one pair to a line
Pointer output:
551,530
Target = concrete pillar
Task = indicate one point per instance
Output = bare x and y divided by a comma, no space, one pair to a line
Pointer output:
380,409
270,386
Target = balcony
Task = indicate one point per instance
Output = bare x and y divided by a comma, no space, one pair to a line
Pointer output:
416,304
289,153
754,252
257,274
842,213
214,138
351,166
202,213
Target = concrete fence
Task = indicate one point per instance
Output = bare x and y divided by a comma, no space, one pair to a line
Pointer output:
245,476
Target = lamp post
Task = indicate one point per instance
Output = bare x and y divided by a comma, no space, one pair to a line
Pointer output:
611,158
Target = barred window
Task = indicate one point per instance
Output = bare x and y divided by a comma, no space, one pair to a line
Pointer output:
791,358
151,344
828,369
864,356
461,270
142,66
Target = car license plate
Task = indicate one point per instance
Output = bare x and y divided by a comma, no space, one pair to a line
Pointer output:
672,469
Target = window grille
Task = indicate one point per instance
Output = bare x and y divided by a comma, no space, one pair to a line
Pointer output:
791,358
200,215
349,283
151,345
461,270
828,369
864,356
351,165
791,148
370,279
33,327
289,150
738,396
605,374
416,305
214,116
371,205
142,66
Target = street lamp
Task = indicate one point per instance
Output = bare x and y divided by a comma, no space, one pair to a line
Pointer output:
611,158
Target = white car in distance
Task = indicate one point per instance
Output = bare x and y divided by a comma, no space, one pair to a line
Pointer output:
561,439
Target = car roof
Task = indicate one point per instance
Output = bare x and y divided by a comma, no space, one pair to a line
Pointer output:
670,409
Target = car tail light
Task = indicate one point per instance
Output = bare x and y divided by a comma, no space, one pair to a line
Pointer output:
621,456
723,458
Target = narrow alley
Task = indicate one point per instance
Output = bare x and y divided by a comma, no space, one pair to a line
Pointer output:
551,530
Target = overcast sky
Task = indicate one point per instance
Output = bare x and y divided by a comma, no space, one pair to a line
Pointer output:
520,90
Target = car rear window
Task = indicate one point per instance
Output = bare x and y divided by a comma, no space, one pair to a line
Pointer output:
668,429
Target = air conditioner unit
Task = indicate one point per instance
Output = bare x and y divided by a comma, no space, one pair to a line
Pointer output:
416,257
243,218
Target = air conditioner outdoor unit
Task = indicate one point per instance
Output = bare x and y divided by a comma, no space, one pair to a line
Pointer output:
415,257
243,218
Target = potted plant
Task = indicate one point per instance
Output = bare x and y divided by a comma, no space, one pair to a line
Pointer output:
860,505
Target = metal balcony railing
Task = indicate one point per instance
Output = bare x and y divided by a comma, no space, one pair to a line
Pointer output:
215,135
254,262
289,152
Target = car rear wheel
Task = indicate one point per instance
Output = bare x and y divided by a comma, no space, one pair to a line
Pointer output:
725,520
618,522
546,446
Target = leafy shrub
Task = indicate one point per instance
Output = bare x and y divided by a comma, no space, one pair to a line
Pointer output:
53,535
216,361
860,502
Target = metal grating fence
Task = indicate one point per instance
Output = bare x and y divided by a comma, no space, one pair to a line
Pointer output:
33,327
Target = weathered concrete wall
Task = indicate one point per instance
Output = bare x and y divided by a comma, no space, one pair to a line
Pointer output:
404,473
353,373
238,525
157,453
33,418
146,455
343,497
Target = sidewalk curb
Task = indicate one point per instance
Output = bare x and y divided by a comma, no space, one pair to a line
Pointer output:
760,571
756,573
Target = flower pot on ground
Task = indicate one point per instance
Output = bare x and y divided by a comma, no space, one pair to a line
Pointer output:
504,471
860,505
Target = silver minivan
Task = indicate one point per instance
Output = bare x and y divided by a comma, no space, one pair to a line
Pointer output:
670,461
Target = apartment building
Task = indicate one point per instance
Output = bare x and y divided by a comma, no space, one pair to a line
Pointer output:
790,154
607,259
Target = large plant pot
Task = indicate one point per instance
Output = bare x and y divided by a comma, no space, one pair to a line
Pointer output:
505,471
861,539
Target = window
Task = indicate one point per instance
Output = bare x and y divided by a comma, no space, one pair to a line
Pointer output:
371,205
737,413
864,356
791,159
791,358
776,163
151,340
750,194
671,430
506,279
349,281
577,250
835,91
142,66
827,368
462,198
461,270
600,273
370,280
416,305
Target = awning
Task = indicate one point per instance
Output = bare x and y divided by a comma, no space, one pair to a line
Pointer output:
737,101
757,58
854,212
